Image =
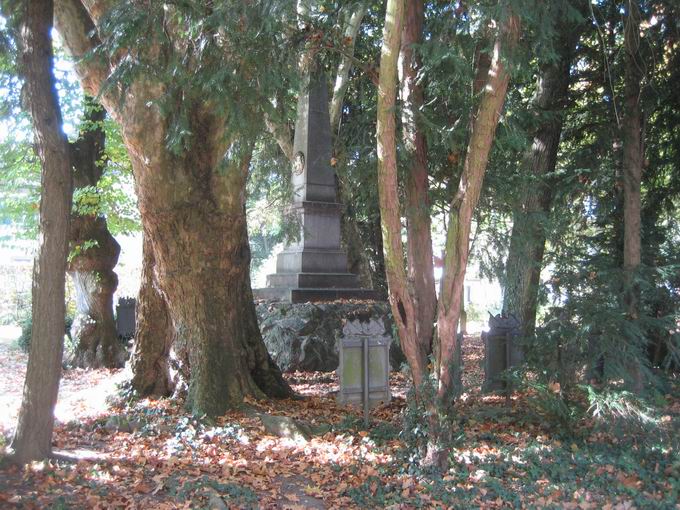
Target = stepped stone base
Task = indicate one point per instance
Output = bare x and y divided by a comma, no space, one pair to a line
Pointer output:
311,295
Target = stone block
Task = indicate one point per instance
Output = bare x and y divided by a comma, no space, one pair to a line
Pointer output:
313,280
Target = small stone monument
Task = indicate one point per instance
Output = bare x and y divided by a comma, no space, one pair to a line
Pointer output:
501,350
364,370
125,318
314,268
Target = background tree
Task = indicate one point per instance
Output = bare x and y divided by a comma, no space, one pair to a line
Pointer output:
102,181
633,157
94,252
530,215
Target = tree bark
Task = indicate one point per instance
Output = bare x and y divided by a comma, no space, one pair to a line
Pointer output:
192,206
633,157
195,219
418,226
462,208
153,335
91,267
342,76
447,363
400,293
527,242
33,436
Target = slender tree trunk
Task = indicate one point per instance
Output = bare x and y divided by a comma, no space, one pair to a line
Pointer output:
527,243
33,436
400,294
633,156
418,226
357,259
462,208
342,76
153,335
91,267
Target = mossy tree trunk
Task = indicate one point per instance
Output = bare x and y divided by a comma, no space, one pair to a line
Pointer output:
401,294
33,435
192,206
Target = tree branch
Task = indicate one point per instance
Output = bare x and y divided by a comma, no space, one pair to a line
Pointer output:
282,134
79,35
345,66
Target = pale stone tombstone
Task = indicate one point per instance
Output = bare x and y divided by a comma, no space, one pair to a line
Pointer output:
364,351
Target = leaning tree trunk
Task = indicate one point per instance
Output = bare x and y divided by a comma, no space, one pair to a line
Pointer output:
33,436
458,236
527,242
153,335
418,226
94,255
633,155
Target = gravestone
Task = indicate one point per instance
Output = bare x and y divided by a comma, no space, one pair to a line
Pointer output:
364,369
314,268
125,318
501,350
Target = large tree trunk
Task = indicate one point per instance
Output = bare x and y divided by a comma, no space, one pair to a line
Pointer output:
633,156
192,206
195,218
95,254
33,436
418,226
153,335
94,281
527,242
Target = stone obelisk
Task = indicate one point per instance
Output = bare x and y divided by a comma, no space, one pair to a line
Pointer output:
314,268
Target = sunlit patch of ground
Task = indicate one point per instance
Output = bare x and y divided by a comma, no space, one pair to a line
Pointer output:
503,456
82,393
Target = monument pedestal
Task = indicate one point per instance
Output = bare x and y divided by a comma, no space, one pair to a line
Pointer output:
314,268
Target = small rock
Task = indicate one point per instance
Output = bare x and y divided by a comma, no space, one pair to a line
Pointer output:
117,423
284,426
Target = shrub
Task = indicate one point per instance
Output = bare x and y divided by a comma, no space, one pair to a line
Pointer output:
24,340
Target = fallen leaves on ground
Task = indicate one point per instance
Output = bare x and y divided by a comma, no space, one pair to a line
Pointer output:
502,457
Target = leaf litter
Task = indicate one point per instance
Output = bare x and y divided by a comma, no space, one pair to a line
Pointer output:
502,457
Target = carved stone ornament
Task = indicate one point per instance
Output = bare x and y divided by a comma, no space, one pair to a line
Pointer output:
298,163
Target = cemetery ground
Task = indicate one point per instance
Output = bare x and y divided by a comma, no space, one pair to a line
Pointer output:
151,454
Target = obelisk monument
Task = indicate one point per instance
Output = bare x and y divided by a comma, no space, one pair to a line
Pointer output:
314,268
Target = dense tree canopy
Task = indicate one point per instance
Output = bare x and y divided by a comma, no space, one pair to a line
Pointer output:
537,142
